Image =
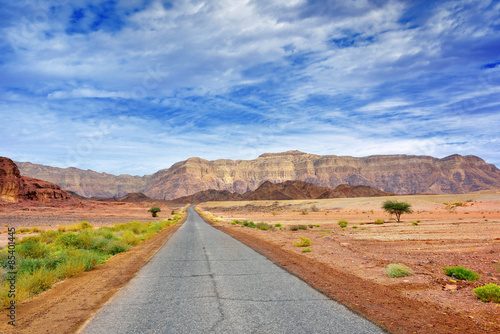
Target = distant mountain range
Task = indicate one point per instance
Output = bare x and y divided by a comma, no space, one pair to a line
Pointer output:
401,174
288,190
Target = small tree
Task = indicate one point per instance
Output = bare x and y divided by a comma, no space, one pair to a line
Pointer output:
397,208
154,211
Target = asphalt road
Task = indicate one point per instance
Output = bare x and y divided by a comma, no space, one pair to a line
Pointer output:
204,281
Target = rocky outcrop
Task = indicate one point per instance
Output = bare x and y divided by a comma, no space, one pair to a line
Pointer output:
10,181
16,188
402,174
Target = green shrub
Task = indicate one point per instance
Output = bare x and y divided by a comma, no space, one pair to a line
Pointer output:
302,227
264,226
488,293
354,227
130,238
154,211
379,222
82,226
294,227
415,223
398,270
342,223
304,242
311,225
34,250
277,225
462,273
234,223
115,247
306,250
318,225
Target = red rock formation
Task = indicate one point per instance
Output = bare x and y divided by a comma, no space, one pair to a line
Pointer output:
288,190
15,188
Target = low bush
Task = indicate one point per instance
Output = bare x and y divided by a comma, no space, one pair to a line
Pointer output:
277,225
488,293
398,270
264,226
304,242
379,222
294,227
302,227
342,223
462,273
415,223
306,250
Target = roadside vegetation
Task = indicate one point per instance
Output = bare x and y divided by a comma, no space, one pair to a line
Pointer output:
53,256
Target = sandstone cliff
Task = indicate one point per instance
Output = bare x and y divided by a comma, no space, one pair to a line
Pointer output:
402,174
86,183
15,188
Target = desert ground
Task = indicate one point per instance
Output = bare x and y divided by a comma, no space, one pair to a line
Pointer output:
452,230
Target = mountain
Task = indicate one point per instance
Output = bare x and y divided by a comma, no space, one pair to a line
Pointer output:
402,174
288,190
86,183
17,188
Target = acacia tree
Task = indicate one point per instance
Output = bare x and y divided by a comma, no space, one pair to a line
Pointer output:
154,211
397,208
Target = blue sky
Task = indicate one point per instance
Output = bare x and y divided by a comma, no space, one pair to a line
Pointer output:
135,86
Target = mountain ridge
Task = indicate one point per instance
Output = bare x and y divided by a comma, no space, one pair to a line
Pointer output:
402,174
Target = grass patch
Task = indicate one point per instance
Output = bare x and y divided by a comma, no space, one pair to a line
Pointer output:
52,256
398,270
488,293
461,273
304,242
306,250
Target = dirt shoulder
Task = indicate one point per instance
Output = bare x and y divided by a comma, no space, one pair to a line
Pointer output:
397,307
70,303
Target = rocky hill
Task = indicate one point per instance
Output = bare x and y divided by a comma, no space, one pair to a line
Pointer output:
86,183
17,188
402,174
288,190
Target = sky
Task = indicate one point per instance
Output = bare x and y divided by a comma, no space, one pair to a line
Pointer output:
134,86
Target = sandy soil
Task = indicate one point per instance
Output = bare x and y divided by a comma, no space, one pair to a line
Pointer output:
69,304
428,301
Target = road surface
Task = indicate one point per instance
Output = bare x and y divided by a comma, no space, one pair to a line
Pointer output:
204,281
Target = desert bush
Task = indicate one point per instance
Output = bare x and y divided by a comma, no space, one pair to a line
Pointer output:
311,226
306,250
294,227
36,229
130,238
117,246
488,293
462,273
304,242
62,228
314,208
304,212
379,222
318,225
82,226
342,223
354,227
398,270
277,225
302,227
415,223
234,223
264,226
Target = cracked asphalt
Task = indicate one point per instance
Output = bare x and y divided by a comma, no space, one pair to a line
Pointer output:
204,281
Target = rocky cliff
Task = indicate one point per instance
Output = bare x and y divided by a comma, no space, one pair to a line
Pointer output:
403,174
86,183
15,188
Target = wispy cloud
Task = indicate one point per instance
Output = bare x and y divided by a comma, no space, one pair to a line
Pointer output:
134,86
